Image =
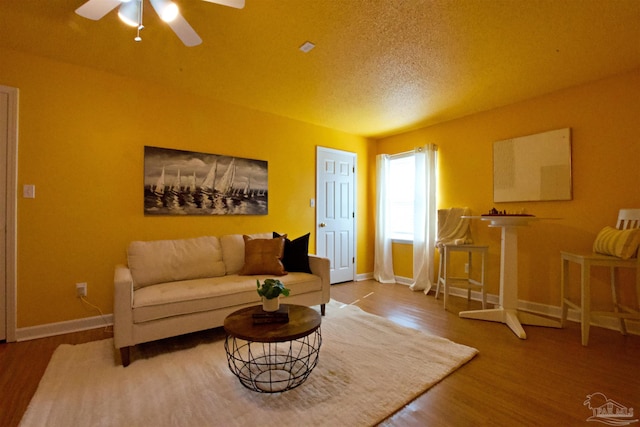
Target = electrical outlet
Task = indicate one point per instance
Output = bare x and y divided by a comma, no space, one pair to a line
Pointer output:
81,289
466,268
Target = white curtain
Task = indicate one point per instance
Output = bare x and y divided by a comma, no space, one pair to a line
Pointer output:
383,262
424,229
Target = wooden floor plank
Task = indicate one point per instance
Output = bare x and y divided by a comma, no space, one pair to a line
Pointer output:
542,380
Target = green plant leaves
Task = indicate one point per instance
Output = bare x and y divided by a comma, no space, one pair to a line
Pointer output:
272,288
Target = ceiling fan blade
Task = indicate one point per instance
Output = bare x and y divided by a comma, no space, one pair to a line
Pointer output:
238,4
184,31
96,9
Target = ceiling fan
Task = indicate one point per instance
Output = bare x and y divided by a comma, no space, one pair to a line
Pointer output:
130,12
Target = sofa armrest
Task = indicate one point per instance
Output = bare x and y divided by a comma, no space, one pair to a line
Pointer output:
320,266
122,307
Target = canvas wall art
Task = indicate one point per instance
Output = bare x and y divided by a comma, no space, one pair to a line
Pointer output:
180,182
533,168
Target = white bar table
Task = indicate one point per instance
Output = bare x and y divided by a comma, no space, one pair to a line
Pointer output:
508,312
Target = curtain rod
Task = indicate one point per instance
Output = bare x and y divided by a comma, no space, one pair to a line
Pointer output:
435,148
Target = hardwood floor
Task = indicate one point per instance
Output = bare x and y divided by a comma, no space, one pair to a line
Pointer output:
542,380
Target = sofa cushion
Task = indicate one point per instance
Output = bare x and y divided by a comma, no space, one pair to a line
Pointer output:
296,253
199,295
263,256
233,250
171,260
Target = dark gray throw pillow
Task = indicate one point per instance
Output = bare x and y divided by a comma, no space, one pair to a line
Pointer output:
296,254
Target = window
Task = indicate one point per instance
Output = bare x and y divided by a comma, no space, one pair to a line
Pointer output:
406,211
401,193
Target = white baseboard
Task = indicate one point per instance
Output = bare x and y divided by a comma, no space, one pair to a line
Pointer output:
366,276
59,328
403,280
633,327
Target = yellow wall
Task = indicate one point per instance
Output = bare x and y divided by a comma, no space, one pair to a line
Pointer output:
81,139
402,259
605,120
81,142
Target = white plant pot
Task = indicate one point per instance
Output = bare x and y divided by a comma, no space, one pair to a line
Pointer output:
272,304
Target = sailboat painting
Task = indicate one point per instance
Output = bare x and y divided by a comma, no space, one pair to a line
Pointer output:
178,182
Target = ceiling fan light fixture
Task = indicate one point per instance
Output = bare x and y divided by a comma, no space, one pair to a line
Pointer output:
129,13
167,10
170,12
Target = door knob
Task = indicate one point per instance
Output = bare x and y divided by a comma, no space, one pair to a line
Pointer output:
322,224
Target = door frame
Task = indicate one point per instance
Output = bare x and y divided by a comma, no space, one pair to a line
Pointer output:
355,202
10,243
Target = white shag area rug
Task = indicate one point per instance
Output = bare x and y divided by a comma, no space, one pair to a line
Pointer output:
369,367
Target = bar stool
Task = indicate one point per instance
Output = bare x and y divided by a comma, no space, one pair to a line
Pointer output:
468,281
614,249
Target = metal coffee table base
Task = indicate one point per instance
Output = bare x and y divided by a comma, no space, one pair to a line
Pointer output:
273,367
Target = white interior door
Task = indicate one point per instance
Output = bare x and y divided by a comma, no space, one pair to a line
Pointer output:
335,211
8,160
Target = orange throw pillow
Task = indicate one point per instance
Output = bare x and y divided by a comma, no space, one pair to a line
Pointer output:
263,256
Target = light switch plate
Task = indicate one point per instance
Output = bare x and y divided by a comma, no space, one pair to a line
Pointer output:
29,191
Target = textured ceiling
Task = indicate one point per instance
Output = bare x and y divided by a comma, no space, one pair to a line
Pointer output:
379,66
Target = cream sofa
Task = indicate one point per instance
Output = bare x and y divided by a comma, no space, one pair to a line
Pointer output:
173,287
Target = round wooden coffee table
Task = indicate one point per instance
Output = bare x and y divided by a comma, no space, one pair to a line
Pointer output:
273,357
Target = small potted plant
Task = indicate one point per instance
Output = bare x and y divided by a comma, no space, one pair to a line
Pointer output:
270,292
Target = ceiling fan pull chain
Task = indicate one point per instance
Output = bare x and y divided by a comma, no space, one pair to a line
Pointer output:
140,26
